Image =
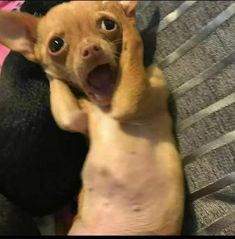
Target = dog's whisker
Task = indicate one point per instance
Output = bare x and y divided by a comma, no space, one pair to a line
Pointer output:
117,41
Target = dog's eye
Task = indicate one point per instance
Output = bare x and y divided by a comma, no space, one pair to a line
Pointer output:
56,44
108,25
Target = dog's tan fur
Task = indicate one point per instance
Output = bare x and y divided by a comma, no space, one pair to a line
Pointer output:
132,177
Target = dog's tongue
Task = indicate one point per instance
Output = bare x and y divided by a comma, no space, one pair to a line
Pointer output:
101,78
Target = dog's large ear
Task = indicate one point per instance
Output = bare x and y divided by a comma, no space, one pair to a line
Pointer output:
18,32
129,7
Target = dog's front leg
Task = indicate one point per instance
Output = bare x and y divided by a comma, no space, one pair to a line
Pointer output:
66,109
128,98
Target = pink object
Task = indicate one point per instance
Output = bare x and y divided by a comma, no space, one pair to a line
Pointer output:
7,6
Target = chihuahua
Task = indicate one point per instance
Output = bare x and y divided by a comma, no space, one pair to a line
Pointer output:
132,177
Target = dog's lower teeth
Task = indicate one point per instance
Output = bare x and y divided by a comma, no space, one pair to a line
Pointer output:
101,99
98,97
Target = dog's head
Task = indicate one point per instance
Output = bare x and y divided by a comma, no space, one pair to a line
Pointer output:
78,42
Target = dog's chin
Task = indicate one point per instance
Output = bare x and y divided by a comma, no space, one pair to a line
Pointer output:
101,83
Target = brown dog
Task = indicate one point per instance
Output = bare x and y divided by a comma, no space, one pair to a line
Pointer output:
132,177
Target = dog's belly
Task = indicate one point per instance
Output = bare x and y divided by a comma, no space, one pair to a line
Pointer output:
138,197
125,193
128,186
120,178
122,198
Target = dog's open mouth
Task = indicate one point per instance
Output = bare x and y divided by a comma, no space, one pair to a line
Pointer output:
101,83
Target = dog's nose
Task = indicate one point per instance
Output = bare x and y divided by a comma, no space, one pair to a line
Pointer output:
90,51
